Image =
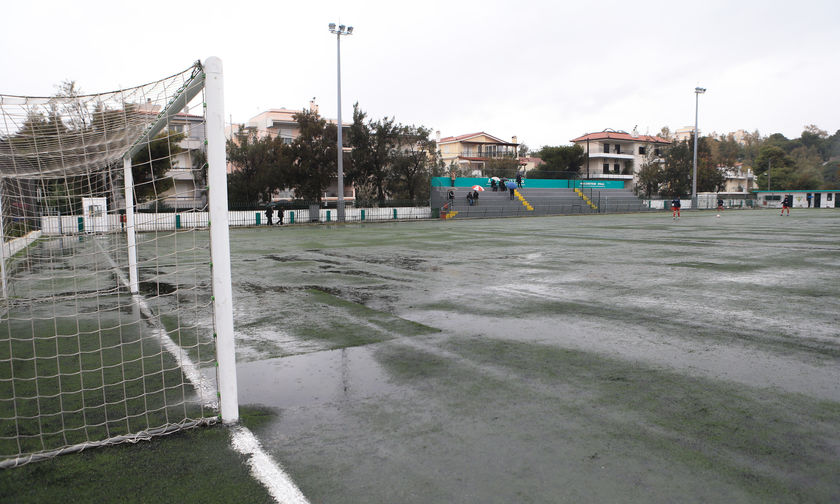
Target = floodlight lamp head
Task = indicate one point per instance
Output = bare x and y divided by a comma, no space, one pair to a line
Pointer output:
699,90
349,30
341,28
332,26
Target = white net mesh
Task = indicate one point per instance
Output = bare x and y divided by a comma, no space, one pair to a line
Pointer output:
83,360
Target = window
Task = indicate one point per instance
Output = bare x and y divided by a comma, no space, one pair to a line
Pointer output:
607,148
828,196
616,168
642,150
656,152
606,167
618,148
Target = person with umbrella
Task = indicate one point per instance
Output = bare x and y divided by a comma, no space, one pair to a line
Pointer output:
476,188
511,185
493,184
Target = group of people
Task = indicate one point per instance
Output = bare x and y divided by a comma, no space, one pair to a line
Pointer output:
269,215
472,198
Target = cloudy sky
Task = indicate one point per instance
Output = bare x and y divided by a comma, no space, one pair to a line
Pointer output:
545,71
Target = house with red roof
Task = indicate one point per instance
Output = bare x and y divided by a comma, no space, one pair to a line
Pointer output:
470,152
618,155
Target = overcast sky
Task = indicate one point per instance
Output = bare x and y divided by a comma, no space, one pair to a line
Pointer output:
544,71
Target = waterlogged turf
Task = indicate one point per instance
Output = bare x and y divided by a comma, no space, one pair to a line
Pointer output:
599,358
614,358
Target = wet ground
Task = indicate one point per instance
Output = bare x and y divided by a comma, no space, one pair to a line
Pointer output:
602,358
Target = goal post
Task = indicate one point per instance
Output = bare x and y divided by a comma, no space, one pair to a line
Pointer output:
116,317
220,241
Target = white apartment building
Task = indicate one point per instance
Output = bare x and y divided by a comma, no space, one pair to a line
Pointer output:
618,155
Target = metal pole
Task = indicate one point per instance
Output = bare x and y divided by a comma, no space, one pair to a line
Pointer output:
694,177
3,244
130,228
340,207
220,241
769,165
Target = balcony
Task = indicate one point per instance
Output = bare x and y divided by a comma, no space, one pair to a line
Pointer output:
481,153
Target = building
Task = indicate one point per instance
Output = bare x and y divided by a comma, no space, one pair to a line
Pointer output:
618,155
188,179
818,198
470,152
683,134
739,180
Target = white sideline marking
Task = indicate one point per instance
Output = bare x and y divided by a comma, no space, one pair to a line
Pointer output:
264,469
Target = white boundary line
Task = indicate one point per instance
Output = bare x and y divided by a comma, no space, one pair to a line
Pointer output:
263,468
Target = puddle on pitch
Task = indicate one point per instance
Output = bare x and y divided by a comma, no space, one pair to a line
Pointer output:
314,378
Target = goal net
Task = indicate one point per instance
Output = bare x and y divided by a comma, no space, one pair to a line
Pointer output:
108,315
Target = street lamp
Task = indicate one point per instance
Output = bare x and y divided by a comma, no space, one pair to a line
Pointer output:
697,92
339,31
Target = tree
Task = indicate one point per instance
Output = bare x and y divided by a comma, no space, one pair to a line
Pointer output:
313,156
561,162
415,161
523,150
374,146
501,166
651,175
677,169
150,165
261,167
780,166
709,176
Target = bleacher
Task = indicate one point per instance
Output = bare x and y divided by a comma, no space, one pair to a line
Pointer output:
543,201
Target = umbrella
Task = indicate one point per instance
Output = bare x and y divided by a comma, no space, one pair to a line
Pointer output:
511,185
477,188
495,178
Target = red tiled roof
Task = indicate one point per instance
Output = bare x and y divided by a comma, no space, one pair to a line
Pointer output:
620,135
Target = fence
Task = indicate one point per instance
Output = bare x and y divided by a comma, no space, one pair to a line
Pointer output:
72,224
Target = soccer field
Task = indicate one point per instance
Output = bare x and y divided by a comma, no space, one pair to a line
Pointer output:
596,358
626,358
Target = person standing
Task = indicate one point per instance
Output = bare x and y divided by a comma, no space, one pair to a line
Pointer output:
786,204
808,197
675,207
280,216
519,180
720,204
269,213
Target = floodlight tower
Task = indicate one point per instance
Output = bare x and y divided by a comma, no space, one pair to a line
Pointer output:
339,31
697,92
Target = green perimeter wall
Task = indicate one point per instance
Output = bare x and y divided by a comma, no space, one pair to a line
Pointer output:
534,183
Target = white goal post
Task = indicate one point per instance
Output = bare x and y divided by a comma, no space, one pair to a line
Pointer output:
110,333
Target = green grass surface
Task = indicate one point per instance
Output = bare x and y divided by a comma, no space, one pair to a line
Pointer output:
193,466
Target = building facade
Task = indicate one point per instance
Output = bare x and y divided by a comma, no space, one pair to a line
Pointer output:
618,155
470,152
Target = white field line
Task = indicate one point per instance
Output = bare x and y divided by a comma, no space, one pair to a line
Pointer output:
263,468
191,371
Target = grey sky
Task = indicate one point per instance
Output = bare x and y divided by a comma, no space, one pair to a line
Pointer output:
544,71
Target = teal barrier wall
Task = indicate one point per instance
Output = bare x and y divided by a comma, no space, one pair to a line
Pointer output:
465,182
